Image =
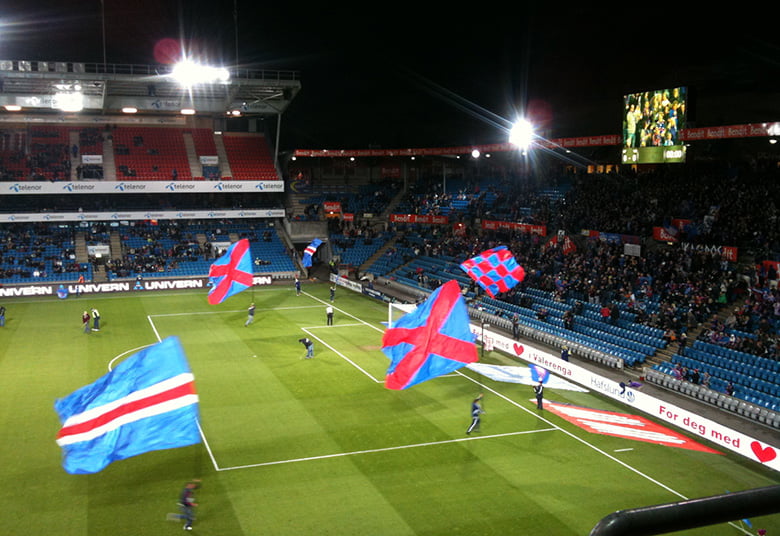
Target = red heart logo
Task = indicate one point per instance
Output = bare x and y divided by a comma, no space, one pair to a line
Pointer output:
763,454
519,349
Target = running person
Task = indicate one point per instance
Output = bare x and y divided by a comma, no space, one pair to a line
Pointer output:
250,314
476,415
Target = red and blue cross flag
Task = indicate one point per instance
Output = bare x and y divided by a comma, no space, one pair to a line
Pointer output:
148,402
231,273
432,340
495,270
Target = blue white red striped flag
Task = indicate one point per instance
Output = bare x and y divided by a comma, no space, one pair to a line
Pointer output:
231,273
495,270
148,402
432,340
308,253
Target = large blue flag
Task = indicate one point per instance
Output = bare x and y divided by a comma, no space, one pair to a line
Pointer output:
148,402
231,273
309,252
432,340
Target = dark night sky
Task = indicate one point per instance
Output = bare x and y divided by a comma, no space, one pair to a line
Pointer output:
393,77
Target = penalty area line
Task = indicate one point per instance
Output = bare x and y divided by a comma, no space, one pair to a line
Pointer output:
385,449
342,356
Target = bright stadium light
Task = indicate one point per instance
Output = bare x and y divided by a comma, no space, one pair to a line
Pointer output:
68,102
188,74
521,134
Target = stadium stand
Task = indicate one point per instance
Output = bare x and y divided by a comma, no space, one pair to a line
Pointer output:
250,157
150,153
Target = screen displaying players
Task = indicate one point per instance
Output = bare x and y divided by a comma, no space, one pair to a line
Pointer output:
652,123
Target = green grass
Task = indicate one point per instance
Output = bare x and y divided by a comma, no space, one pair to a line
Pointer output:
298,447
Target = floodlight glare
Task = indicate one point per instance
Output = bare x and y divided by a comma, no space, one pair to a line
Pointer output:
189,74
68,102
521,134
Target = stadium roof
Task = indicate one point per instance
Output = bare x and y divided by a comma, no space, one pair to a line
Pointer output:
41,86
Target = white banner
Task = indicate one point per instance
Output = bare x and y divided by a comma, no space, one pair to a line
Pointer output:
693,423
143,215
137,187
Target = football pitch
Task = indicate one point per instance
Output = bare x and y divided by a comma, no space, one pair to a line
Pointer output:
295,446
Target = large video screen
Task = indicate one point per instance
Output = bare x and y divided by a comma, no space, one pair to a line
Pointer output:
652,123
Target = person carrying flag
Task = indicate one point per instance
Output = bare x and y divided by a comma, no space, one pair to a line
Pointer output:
332,292
187,503
476,415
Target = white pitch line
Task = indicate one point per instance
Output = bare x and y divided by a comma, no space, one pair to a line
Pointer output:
154,328
342,356
111,363
237,311
622,450
363,322
554,427
384,449
334,326
202,434
573,436
208,447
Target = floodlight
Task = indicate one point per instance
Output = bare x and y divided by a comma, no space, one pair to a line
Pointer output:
12,107
188,74
187,111
68,102
475,153
129,110
521,134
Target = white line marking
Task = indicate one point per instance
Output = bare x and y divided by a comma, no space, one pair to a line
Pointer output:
335,326
154,328
345,313
238,311
134,350
606,454
622,450
385,449
202,435
342,356
208,448
482,386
